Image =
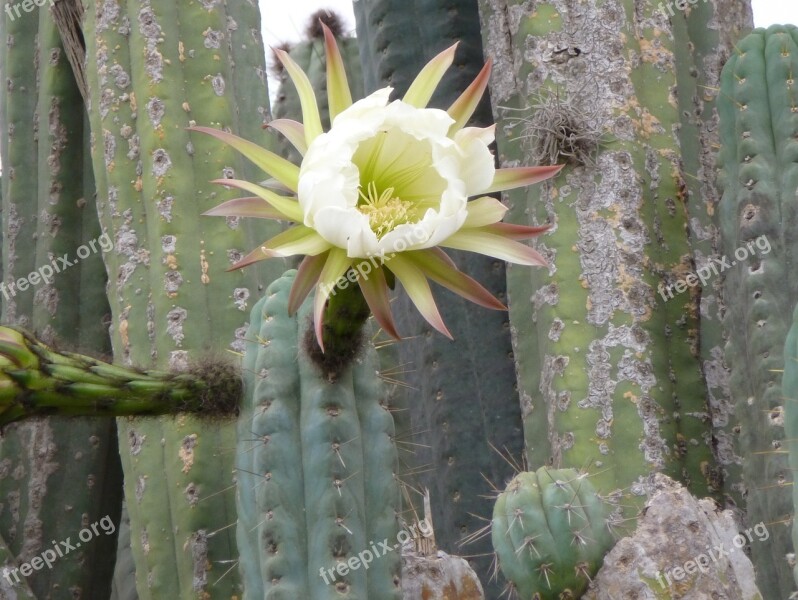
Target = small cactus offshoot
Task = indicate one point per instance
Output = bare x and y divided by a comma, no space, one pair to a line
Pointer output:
550,533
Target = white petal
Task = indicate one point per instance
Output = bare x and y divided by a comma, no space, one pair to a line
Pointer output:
346,228
477,163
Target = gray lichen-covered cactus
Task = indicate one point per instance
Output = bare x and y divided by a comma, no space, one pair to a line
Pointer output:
153,69
317,485
759,176
608,354
550,530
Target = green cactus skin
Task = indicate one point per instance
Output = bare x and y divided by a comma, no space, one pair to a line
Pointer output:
317,467
8,586
609,372
462,393
50,212
124,583
38,381
311,57
154,69
550,531
759,176
703,39
790,394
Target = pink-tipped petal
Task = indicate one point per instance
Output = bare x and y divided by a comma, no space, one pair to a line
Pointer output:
336,265
509,179
424,85
417,287
293,131
375,292
254,207
282,170
307,276
441,255
307,98
295,240
339,95
458,282
464,107
516,232
289,207
484,211
490,244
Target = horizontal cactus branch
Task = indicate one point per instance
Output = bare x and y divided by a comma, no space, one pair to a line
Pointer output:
36,381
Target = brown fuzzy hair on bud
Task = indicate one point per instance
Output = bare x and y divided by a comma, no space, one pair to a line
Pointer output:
330,18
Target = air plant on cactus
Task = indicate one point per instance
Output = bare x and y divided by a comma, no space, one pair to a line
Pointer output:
381,193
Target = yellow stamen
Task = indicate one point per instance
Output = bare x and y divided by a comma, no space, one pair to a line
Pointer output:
385,211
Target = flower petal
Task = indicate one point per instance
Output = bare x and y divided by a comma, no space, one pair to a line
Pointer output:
339,96
463,108
417,287
245,207
516,232
296,240
307,98
508,179
477,168
293,131
337,264
484,211
424,85
306,277
282,170
490,244
437,269
287,206
375,291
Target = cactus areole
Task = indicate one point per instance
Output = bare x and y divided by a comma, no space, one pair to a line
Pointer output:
379,194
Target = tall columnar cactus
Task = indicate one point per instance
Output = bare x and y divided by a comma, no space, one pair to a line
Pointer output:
789,388
309,54
759,176
153,70
551,531
703,39
58,475
317,486
464,390
608,354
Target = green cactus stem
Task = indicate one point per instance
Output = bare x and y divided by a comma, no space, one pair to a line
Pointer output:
551,531
37,381
317,485
759,231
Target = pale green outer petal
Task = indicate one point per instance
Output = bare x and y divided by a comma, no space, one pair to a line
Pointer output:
484,211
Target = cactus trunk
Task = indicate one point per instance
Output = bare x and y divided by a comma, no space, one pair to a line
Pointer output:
55,286
462,391
317,483
759,176
607,353
153,70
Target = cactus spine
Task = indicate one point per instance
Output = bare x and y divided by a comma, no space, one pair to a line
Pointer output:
759,176
550,531
170,296
317,483
49,213
462,390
